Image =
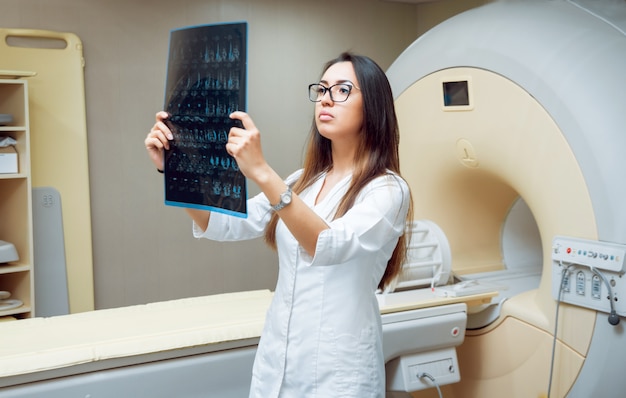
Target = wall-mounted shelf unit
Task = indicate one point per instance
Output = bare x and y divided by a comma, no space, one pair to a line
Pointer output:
16,221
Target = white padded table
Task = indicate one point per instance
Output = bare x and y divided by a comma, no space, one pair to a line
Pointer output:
40,348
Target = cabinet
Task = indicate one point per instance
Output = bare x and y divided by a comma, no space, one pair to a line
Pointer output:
16,220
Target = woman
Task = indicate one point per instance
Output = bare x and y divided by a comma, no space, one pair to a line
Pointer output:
338,225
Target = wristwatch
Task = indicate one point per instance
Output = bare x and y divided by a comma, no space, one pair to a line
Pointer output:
285,199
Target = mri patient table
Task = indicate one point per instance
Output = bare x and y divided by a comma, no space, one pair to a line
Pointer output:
189,347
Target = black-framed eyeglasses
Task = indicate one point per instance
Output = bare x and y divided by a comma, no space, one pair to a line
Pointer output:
338,92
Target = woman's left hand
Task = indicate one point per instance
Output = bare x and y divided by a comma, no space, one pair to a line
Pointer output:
244,144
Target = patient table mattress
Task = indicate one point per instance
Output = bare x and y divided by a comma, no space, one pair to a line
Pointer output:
97,336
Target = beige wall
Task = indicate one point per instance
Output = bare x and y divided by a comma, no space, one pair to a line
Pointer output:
143,250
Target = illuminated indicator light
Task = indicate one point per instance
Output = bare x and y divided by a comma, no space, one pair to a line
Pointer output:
569,250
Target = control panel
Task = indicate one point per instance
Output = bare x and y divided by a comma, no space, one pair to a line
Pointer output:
421,371
589,274
597,254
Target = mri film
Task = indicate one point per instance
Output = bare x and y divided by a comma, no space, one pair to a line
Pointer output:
206,82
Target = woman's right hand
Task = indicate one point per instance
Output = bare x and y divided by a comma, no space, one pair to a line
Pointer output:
158,140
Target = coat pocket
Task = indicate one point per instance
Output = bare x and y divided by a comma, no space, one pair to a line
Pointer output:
347,365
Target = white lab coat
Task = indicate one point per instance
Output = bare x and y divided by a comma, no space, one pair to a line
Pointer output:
323,335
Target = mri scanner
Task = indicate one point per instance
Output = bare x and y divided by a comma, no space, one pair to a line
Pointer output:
512,119
513,128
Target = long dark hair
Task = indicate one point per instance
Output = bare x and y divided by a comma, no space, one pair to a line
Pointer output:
376,155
